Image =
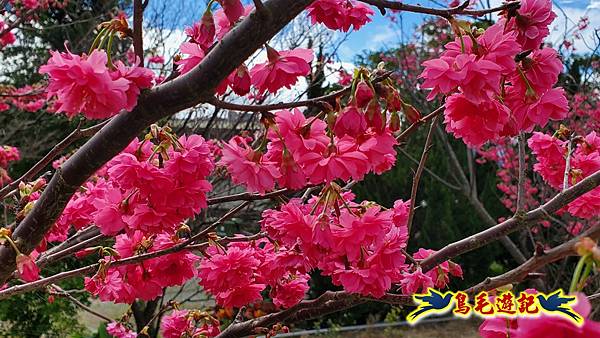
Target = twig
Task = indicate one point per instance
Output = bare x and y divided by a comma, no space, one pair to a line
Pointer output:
413,127
445,13
521,182
55,151
419,172
317,101
63,293
427,170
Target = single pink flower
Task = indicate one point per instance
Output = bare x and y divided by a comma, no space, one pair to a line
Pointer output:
364,94
176,324
84,84
475,124
204,31
139,78
351,121
290,291
234,9
531,22
282,69
415,281
249,167
118,330
196,54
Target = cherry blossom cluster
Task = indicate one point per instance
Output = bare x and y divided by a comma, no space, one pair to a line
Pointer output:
281,69
86,84
552,153
361,246
296,151
26,98
237,275
186,323
8,154
146,280
499,82
340,14
149,187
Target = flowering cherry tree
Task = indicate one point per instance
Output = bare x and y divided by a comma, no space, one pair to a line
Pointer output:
129,195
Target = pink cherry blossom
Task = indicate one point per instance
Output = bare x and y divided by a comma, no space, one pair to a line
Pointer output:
118,330
176,324
351,121
196,54
531,22
364,94
84,84
282,69
233,9
340,14
249,167
415,281
203,32
475,124
550,155
139,78
290,292
341,160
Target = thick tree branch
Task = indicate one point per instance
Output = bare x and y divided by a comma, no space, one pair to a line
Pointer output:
164,100
327,303
513,224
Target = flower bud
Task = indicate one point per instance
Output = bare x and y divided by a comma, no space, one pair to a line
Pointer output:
364,94
28,270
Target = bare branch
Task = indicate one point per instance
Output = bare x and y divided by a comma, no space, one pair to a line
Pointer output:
419,172
521,182
513,224
445,13
534,263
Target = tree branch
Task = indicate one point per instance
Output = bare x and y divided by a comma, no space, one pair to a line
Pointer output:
419,172
513,224
445,12
138,38
534,263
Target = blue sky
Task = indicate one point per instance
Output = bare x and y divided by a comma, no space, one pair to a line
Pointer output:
381,32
